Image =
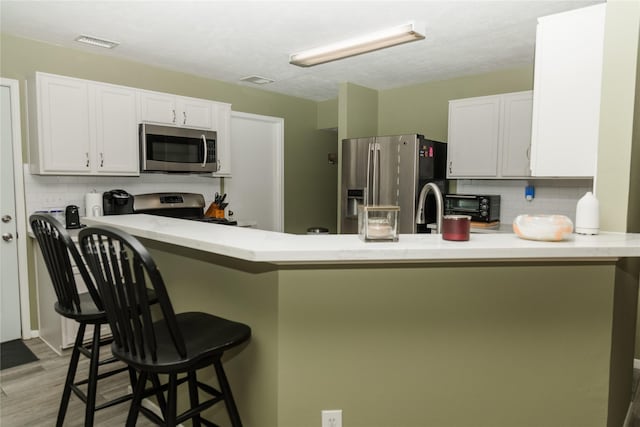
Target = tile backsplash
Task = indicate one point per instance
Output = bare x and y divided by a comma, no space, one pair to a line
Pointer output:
552,196
47,192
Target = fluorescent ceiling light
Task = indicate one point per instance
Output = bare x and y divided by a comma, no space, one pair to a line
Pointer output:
94,41
356,46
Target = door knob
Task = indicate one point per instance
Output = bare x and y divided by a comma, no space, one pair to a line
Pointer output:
6,218
7,237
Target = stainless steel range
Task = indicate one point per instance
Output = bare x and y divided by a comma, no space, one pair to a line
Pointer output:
176,205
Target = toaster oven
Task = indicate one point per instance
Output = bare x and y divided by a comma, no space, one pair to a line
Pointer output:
483,208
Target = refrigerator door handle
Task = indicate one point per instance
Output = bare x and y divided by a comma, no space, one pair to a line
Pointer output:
376,174
370,174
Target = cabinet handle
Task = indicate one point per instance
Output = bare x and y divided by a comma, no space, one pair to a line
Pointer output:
87,155
174,116
450,163
184,121
101,160
528,153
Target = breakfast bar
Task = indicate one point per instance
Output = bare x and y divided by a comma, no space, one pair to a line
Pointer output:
496,331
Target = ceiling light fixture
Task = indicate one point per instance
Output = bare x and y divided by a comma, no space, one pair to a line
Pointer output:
94,41
356,46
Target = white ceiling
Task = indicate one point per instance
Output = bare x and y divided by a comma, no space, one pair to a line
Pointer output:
226,40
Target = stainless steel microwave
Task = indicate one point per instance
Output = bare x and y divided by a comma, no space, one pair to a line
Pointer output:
176,149
482,208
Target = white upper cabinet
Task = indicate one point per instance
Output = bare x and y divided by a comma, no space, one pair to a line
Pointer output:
164,108
79,127
116,129
489,136
566,93
516,134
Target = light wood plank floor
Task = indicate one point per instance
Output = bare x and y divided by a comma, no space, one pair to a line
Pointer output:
30,393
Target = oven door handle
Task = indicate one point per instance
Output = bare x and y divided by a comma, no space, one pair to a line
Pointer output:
204,145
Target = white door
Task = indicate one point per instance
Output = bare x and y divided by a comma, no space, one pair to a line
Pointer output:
255,190
10,285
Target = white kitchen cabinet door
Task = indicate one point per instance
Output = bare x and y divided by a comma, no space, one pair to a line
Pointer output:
516,134
222,126
116,131
566,92
157,107
474,130
169,109
194,113
61,142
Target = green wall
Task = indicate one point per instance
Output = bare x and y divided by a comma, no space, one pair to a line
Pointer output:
308,178
424,108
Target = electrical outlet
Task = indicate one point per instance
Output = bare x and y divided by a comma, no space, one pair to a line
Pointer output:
332,418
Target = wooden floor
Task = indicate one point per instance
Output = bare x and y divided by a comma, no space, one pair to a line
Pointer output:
30,393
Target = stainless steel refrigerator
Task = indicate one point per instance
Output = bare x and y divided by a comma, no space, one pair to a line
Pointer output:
390,170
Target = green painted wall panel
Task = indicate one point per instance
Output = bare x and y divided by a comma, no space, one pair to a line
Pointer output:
442,346
424,108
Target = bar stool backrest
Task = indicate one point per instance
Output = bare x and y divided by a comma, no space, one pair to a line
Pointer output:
122,266
57,250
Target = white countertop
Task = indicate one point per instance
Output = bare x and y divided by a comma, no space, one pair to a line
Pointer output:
281,248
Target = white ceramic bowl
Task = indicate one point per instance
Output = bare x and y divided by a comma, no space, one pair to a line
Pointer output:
551,228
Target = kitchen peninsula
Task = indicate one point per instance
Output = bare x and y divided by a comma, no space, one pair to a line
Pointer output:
496,331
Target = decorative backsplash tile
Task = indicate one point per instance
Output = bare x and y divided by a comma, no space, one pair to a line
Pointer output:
552,196
44,192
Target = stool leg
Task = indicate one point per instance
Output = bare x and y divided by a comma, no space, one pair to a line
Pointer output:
162,403
172,401
228,396
137,400
92,385
71,373
193,396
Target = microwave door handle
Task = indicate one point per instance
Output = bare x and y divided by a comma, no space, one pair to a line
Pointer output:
204,144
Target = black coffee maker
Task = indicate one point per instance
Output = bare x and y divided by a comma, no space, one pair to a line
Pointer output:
117,202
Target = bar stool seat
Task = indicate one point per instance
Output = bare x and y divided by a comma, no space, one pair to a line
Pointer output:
168,344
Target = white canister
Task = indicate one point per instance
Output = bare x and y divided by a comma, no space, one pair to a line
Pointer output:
588,215
93,204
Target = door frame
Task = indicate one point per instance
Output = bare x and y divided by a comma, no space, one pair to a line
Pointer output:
21,215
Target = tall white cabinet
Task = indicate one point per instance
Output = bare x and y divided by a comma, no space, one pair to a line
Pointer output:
490,136
566,94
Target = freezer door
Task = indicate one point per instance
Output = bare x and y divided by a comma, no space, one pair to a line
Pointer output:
354,186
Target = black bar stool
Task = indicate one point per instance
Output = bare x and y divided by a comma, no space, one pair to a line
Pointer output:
87,309
174,344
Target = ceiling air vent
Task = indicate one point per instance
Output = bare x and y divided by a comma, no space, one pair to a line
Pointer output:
94,41
256,80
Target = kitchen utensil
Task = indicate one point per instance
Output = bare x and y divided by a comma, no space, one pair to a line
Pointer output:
456,227
588,214
550,228
93,204
72,217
